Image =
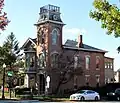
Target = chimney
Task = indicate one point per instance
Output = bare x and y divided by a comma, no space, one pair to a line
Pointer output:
80,41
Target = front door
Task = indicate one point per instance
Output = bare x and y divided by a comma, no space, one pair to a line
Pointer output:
42,84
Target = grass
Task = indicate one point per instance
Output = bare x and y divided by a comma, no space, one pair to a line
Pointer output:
41,98
51,98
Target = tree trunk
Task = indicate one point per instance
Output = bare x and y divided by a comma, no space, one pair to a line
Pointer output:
57,88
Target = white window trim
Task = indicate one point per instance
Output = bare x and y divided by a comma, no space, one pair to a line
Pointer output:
56,30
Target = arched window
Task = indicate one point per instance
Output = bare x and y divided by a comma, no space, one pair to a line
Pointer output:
54,36
42,62
54,60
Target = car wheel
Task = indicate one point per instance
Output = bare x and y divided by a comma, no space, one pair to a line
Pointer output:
96,98
82,98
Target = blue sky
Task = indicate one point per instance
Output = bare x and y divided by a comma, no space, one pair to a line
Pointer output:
75,14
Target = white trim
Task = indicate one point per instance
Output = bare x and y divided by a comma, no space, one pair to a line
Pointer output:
97,68
57,22
97,75
87,75
54,30
75,48
87,56
30,51
29,39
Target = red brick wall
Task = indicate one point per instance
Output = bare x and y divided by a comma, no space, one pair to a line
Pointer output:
81,79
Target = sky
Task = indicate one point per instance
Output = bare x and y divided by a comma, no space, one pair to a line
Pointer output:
23,14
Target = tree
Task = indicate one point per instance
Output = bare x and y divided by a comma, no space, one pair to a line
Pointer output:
109,16
11,56
63,66
3,16
12,50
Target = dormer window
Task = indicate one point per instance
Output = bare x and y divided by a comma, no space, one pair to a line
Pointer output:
54,36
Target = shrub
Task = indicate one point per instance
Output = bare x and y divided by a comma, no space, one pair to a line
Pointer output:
20,91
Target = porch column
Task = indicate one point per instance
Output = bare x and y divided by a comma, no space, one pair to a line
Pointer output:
26,83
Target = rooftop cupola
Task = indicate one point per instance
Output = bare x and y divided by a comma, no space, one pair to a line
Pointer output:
49,13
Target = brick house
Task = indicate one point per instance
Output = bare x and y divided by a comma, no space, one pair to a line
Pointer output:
109,70
41,54
117,76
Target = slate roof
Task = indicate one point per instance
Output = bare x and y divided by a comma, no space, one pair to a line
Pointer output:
73,45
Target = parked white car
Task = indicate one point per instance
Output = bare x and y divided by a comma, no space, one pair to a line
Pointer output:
85,95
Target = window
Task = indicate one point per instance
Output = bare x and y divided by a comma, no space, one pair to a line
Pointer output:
97,62
76,61
27,60
97,78
90,92
105,65
54,36
87,60
111,65
75,80
54,60
42,62
32,61
87,79
108,65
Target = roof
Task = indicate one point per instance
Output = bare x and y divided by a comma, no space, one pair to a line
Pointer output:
109,58
118,70
33,41
71,44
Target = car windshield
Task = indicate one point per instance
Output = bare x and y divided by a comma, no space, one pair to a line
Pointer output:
81,91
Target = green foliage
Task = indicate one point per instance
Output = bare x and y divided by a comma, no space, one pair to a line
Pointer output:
118,49
10,53
108,15
12,50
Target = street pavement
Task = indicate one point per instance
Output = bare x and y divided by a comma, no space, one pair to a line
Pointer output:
36,101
